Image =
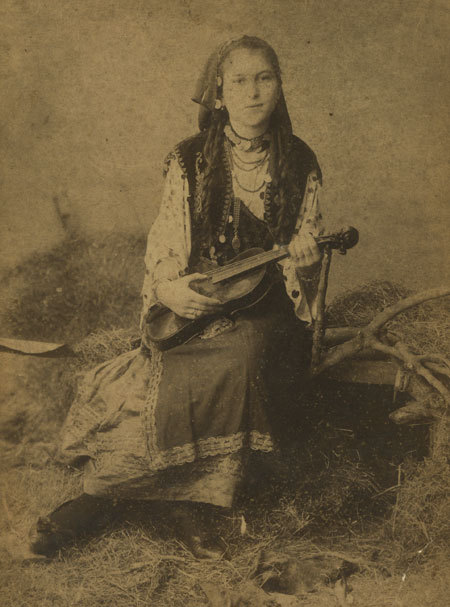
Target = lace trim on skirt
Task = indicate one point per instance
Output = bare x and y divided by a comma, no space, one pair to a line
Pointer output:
206,447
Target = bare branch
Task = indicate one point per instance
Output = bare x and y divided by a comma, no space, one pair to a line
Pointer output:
337,335
421,370
364,340
435,358
402,305
339,353
435,368
319,325
401,352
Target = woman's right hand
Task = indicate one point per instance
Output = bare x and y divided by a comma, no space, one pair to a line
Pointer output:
178,296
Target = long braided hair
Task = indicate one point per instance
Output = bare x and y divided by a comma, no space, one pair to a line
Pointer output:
284,184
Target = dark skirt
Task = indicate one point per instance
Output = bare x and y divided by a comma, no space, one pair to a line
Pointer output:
179,424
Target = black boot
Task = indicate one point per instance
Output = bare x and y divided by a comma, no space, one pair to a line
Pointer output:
47,538
191,533
73,520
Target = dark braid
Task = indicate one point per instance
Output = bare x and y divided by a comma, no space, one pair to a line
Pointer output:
282,168
284,182
213,156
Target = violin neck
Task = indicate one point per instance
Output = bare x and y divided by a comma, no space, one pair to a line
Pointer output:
248,263
343,240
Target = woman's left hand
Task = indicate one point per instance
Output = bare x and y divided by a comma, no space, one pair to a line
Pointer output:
304,250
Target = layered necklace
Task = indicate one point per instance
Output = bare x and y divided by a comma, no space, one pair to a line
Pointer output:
250,175
257,167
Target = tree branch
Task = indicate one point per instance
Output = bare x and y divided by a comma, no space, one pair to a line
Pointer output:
435,358
319,325
339,353
364,339
435,368
401,352
337,335
411,358
402,305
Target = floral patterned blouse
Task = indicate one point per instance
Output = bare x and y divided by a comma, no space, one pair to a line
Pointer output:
169,240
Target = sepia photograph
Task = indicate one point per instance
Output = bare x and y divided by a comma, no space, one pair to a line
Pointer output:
224,303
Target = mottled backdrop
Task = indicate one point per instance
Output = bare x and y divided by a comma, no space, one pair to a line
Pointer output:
95,92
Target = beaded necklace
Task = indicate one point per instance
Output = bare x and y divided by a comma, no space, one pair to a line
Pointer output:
248,189
256,165
248,165
231,199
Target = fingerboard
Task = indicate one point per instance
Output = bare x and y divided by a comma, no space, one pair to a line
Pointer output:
244,265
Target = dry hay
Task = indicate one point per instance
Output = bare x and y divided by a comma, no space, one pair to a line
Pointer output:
420,519
103,345
357,307
139,562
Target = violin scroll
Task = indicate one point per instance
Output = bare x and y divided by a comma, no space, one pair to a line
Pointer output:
343,240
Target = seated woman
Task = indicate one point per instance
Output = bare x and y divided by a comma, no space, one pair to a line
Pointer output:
177,426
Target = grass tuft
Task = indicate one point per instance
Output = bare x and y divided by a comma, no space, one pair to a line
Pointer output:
420,519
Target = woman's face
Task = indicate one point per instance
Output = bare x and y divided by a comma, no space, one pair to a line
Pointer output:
250,90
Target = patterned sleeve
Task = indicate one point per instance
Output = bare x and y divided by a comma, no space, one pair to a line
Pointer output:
169,240
303,292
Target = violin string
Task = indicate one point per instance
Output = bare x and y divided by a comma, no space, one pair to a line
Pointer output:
248,263
244,264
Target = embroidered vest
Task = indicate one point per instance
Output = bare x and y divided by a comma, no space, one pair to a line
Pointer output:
253,231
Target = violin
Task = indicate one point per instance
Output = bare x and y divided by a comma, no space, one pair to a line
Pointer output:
238,284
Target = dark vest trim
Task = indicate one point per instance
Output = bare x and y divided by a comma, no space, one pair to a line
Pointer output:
189,154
